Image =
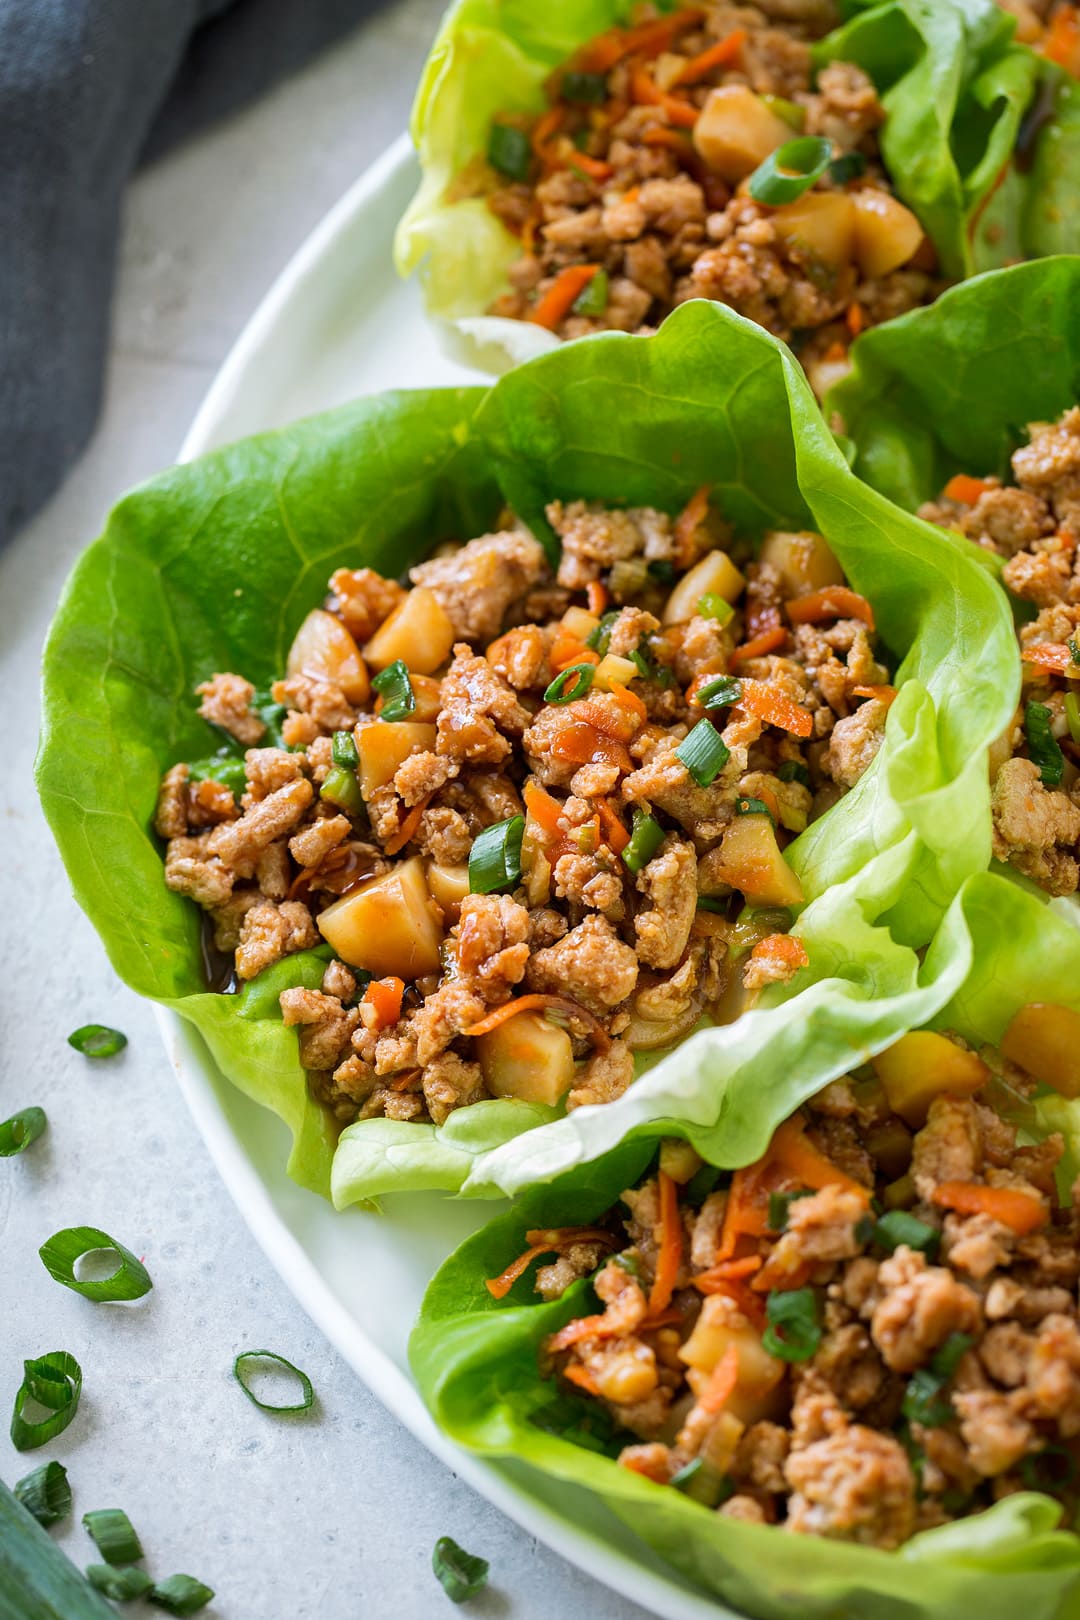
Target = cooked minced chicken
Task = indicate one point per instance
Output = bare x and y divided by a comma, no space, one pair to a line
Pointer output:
871,1331
636,736
1035,766
629,194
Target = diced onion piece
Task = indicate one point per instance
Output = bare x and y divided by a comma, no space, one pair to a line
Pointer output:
527,1057
921,1066
384,745
803,561
750,860
736,131
388,926
324,649
887,234
418,632
1044,1039
448,886
714,575
821,225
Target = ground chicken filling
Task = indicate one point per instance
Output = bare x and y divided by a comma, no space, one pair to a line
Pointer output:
1035,766
871,1331
641,185
538,816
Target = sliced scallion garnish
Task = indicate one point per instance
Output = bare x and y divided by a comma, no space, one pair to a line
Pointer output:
647,666
1072,715
225,768
342,789
395,688
45,1493
113,1534
662,570
17,1133
97,1040
1073,645
461,1574
495,857
122,1585
61,1253
245,1364
703,1483
180,1594
748,806
719,694
709,902
54,1381
714,606
794,1330
343,750
273,716
592,300
793,770
780,1204
586,88
509,151
1043,746
645,839
789,171
923,1401
600,638
570,684
792,112
898,1227
849,166
704,753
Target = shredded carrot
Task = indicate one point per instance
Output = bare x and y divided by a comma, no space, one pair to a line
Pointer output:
834,602
629,700
592,168
792,1148
544,130
658,135
561,1237
775,708
745,1213
1020,1211
648,39
498,1287
584,745
404,1081
690,519
836,352
728,1271
408,827
567,650
721,1386
782,948
1062,42
544,810
1052,655
575,1373
558,301
855,318
769,641
582,1327
669,1258
964,490
632,195
538,1002
645,93
884,694
542,1242
622,726
385,996
722,54
596,594
615,833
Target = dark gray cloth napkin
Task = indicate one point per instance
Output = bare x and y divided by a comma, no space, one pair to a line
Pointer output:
87,89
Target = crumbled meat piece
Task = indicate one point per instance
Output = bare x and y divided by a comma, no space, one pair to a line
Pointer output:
856,1485
577,1261
820,1228
628,629
1053,1376
747,1509
948,1146
272,871
491,937
977,1244
324,701
921,1306
268,769
761,1455
705,1231
363,599
521,657
325,1025
345,1091
1035,827
238,844
310,846
669,884
1010,519
192,868
270,931
545,927
444,835
855,741
591,880
1042,577
227,918
226,702
476,586
422,775
338,980
477,709
171,815
664,781
1050,466
594,537
993,1430
590,964
450,1082
605,1076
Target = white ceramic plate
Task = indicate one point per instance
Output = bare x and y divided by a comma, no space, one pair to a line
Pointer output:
336,324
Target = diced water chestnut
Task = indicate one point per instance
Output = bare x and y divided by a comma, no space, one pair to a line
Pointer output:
527,1057
886,233
714,575
736,131
388,926
1044,1039
803,561
384,745
324,649
418,632
750,860
922,1066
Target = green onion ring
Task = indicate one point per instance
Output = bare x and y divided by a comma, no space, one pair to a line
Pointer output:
789,171
54,1381
495,857
582,675
240,1368
113,1534
395,688
17,1133
97,1041
45,1493
64,1249
794,1330
180,1594
704,753
718,694
461,1574
122,1584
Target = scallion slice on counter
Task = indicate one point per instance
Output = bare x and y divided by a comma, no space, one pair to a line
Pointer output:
342,789
1072,715
17,1133
113,1534
570,684
495,857
898,1227
794,1330
714,606
180,1594
343,750
719,694
645,839
461,1574
592,300
122,1585
1043,746
509,151
587,89
246,1363
45,1493
789,171
395,688
97,1040
704,753
61,1253
793,770
54,1381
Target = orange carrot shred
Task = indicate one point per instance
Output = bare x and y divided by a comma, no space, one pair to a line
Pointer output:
596,594
544,130
593,168
768,641
385,996
582,1327
1062,42
775,708
558,301
884,694
964,490
721,1386
615,833
722,54
792,1148
834,602
567,650
629,700
575,1373
690,518
645,93
1020,1211
408,827
782,948
728,1271
855,318
545,811
541,1002
669,1258
1052,655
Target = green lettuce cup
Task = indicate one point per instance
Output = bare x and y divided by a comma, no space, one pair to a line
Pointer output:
215,564
980,137
476,1357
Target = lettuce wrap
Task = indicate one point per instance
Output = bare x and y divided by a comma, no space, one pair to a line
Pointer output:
476,1360
214,564
957,91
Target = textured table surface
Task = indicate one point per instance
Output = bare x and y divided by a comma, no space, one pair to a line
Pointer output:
333,1514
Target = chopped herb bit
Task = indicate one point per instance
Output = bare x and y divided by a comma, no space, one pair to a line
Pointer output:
898,1227
570,684
45,1493
662,571
718,694
923,1401
592,300
645,839
509,151
701,1184
97,1040
753,807
343,750
1074,649
709,902
1072,716
703,1483
395,688
647,666
272,714
495,857
864,1228
600,638
55,1382
847,167
122,1585
704,753
780,1207
714,606
113,1534
793,770
628,1262
224,767
948,1356
62,1252
180,1594
1051,1469
590,89
342,789
243,1366
462,1574
794,1330
789,171
1043,746
17,1133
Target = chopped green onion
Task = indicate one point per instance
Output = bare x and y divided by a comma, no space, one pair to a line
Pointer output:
600,638
495,857
1074,649
395,688
628,1262
794,1331
700,1185
704,753
272,714
923,1401
580,138
898,1227
97,1041
1072,715
225,768
718,694
793,770
1042,744
121,1585
1051,1469
180,1594
587,88
570,684
714,606
45,1493
241,1370
462,1574
847,167
64,1249
509,151
593,297
948,1356
17,1133
647,667
789,171
709,902
662,570
703,1483
780,1206
113,1534
746,806
342,789
645,839
865,1226
54,1381
343,750
791,112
